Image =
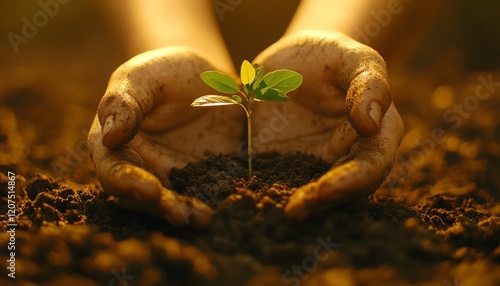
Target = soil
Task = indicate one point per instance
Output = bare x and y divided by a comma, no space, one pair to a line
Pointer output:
434,222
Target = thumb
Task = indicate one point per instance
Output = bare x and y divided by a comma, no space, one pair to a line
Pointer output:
128,98
362,73
367,100
120,117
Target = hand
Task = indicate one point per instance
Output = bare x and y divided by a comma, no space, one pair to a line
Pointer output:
343,113
145,127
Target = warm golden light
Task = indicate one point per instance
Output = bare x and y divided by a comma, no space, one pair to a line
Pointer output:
443,97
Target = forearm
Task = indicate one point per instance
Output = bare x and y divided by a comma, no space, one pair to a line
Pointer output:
336,15
393,27
152,24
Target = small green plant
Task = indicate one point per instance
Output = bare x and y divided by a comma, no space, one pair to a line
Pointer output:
271,87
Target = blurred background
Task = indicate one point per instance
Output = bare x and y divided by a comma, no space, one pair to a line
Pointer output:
51,82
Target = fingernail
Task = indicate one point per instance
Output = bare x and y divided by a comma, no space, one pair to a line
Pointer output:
375,113
108,124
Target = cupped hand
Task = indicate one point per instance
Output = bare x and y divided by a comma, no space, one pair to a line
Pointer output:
145,126
343,113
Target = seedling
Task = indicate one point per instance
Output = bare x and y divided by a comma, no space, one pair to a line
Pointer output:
271,87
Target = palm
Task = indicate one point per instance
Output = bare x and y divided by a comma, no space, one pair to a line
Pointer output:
295,127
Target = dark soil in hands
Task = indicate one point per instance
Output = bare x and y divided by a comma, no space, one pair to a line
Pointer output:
274,176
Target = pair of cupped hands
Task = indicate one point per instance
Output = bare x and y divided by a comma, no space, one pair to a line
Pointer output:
342,112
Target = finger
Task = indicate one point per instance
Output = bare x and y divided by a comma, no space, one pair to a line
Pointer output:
340,141
129,97
185,210
158,157
357,174
176,209
368,96
367,100
121,172
120,116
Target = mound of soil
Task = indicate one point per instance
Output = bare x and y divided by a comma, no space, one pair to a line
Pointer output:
274,176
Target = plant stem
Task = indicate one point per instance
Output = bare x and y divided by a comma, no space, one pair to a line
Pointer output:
248,113
249,138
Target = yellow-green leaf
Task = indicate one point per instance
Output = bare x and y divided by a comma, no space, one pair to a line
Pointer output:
247,72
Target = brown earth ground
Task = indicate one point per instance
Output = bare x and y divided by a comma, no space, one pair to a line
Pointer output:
436,220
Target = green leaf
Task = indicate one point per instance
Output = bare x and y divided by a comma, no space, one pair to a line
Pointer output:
247,72
283,80
213,100
237,98
220,81
271,94
246,88
259,73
